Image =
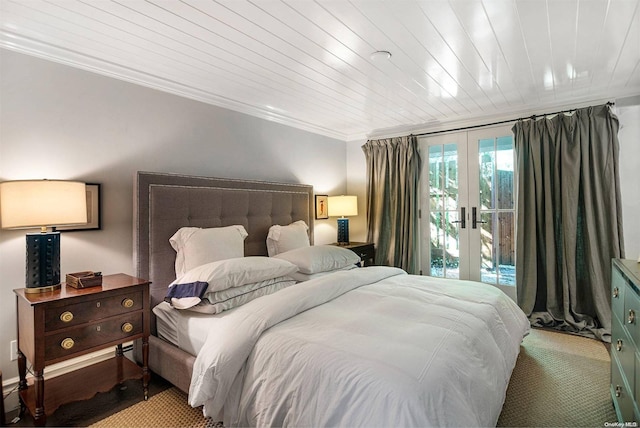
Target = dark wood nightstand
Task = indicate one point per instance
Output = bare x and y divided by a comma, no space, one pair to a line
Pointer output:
365,250
67,323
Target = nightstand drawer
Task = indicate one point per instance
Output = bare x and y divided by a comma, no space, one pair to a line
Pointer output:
77,339
86,311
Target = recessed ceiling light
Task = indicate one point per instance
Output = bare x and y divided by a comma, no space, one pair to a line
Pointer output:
380,55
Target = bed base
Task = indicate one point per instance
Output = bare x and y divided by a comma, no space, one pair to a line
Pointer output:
168,361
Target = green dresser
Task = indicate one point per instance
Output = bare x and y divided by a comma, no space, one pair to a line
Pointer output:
625,339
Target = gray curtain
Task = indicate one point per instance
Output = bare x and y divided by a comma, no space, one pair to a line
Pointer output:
569,220
393,174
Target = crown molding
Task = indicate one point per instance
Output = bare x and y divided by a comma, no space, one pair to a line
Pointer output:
18,43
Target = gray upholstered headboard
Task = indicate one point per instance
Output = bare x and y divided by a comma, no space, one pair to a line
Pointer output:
165,202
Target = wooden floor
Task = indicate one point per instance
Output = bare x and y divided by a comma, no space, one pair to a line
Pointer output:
84,413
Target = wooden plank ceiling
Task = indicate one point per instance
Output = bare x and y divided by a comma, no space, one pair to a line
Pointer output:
309,64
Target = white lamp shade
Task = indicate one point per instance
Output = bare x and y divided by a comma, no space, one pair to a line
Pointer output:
39,203
342,206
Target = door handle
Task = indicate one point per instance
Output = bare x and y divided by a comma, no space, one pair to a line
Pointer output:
463,216
474,219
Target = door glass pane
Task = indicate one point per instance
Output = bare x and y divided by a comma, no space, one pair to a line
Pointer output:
436,177
437,248
451,176
498,253
507,249
452,246
487,250
504,172
443,205
487,167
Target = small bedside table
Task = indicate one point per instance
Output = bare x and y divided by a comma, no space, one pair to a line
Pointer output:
365,250
58,325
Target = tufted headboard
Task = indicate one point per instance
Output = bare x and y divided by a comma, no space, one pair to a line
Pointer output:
165,202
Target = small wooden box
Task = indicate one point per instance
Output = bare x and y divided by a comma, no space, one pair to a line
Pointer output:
84,279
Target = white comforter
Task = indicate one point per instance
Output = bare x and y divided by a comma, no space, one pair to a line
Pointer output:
367,347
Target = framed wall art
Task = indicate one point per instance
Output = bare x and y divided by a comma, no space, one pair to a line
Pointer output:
322,207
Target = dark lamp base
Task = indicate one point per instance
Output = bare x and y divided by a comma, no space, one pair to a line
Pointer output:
43,260
343,231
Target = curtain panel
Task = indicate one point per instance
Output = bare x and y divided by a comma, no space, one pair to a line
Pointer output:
569,219
393,177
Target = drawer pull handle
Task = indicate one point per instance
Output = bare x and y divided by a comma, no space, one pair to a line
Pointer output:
67,343
616,293
632,316
127,303
619,345
66,316
618,391
127,327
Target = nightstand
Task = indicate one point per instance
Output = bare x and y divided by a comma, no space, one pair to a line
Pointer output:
67,323
365,250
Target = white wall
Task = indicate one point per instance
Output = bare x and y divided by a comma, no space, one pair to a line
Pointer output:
59,122
628,112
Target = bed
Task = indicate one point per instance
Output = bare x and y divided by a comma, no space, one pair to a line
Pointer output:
359,347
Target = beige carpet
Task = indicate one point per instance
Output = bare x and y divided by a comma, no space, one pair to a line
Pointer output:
166,409
559,381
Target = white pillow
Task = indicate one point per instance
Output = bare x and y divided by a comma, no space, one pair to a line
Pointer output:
233,292
320,258
302,277
195,246
228,273
286,238
219,301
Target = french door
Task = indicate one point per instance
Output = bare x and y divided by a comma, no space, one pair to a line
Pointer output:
468,206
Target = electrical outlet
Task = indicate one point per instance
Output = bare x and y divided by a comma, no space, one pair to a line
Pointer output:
14,350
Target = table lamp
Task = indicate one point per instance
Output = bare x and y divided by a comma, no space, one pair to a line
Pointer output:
342,206
27,204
